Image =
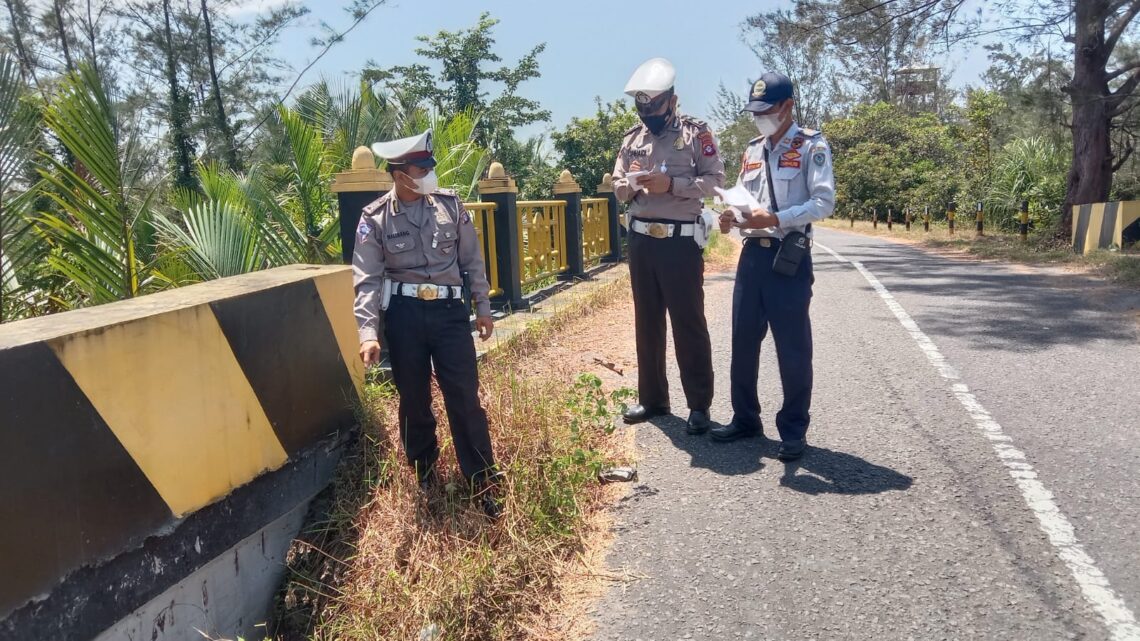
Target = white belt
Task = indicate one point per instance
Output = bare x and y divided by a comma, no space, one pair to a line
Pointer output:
428,291
662,230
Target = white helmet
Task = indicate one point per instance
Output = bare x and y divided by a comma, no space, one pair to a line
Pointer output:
653,78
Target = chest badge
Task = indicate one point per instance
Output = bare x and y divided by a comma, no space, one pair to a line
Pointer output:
679,144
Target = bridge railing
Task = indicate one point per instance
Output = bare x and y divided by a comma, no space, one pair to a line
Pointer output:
527,245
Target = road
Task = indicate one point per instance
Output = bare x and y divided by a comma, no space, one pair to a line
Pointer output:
973,472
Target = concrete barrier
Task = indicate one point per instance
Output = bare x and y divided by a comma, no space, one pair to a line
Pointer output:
157,455
1105,225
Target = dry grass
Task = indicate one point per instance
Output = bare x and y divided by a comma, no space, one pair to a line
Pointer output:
1122,267
722,252
388,563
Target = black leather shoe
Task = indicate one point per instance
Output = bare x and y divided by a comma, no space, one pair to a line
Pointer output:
640,413
791,450
733,431
489,495
698,422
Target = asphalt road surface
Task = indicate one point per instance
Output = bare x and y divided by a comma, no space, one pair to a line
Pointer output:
973,471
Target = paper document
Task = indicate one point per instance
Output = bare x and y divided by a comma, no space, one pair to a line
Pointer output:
634,178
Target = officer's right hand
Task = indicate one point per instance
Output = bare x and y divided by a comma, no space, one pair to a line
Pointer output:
636,166
727,220
370,352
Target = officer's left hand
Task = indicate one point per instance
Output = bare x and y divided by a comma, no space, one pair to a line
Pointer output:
655,183
485,326
760,219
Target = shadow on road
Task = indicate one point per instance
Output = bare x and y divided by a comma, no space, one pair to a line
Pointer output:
824,471
821,471
729,459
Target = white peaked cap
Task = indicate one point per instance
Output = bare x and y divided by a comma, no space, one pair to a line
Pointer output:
416,150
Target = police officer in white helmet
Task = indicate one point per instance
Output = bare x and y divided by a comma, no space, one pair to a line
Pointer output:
665,166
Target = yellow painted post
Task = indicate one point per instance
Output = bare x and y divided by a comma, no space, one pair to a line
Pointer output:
875,217
926,218
951,209
851,215
980,216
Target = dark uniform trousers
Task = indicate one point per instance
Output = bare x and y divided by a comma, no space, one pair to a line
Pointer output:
667,274
422,333
763,299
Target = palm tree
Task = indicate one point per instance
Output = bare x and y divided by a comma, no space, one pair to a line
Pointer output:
103,229
17,128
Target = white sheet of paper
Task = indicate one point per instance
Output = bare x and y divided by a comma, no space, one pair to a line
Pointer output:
739,197
634,178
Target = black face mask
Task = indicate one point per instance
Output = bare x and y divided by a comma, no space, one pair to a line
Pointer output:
656,124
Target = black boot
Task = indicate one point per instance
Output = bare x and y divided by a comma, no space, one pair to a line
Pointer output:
734,431
488,492
698,422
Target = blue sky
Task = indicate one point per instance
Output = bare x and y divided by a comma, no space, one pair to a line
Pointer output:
592,46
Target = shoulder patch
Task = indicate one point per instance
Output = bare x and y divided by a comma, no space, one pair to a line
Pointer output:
708,145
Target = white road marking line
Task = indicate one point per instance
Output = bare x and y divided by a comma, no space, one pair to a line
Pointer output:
1094,585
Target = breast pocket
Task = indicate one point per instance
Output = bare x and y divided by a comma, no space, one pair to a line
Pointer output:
445,238
401,251
784,180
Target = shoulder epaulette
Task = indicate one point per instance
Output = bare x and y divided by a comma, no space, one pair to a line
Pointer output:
373,206
696,122
756,140
632,129
811,133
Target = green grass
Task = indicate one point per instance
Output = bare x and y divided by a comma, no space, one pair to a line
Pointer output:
381,561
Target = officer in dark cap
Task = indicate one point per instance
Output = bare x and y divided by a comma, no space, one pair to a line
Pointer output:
665,166
788,170
412,246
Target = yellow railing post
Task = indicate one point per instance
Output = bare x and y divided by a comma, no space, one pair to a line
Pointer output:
613,224
568,190
500,189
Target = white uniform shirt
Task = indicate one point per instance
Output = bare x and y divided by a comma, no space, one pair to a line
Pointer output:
802,177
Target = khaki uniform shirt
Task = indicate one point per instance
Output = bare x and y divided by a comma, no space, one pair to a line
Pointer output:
430,240
687,149
802,178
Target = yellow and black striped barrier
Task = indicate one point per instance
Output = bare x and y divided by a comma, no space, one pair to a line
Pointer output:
1023,223
1105,225
119,422
951,209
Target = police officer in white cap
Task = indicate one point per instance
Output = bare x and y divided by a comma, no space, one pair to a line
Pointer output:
413,246
788,169
666,165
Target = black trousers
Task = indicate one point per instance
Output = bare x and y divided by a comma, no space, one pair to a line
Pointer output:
667,275
421,334
763,299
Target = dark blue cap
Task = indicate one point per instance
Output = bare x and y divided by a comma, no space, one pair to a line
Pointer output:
767,92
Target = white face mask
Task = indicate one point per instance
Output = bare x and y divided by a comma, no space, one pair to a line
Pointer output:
767,124
428,184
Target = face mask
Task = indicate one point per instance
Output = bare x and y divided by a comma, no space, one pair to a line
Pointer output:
428,184
767,124
657,123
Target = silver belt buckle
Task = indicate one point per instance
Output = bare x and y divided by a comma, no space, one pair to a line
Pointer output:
658,230
427,292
